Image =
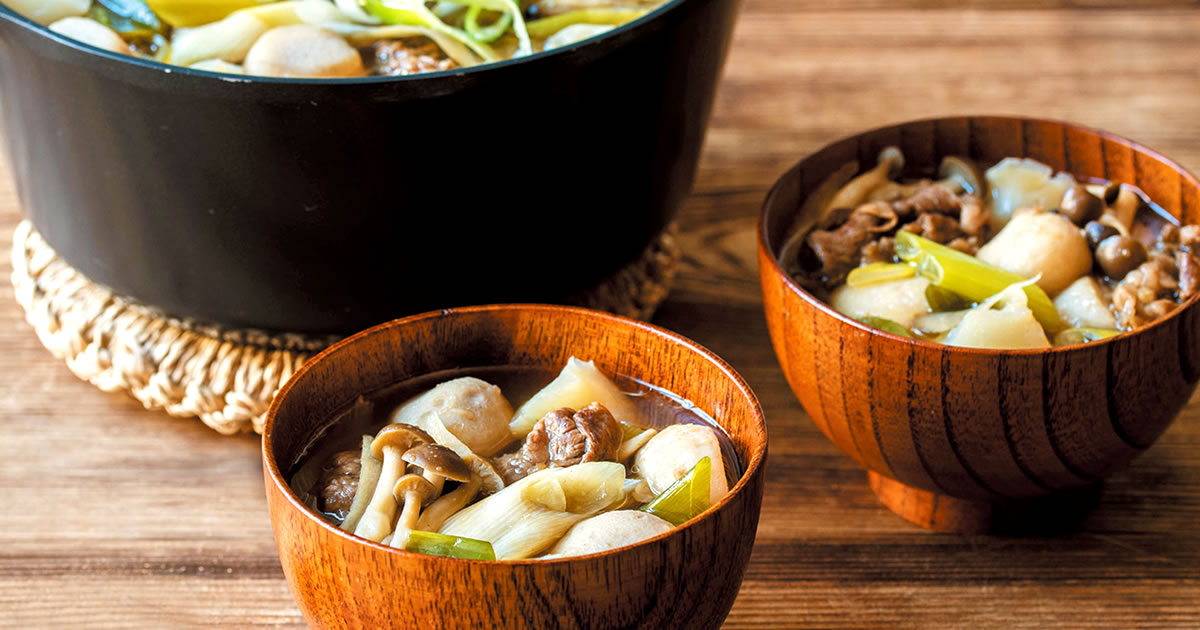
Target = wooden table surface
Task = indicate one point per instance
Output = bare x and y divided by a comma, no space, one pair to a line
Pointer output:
115,517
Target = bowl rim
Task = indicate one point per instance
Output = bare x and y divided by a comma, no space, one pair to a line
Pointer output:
778,271
635,24
752,468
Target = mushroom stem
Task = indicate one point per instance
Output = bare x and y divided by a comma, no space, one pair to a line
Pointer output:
408,519
376,520
445,506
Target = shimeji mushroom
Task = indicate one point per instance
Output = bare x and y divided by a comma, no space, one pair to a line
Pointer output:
415,491
484,478
891,160
438,464
389,445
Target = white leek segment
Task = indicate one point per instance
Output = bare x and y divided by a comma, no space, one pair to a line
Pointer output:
45,12
473,411
1022,183
228,40
671,453
1040,243
577,386
529,516
1003,321
368,477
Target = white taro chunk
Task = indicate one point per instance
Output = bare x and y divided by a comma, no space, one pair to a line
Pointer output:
609,531
46,12
1082,306
1021,183
300,50
1002,321
474,411
91,32
1045,244
901,301
671,453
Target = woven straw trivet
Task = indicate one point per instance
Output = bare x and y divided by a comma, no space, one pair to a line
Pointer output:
226,378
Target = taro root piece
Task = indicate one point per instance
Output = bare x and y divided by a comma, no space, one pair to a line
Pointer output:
483,478
467,414
609,531
414,491
1118,255
1081,206
438,464
1040,244
389,445
669,455
91,32
301,50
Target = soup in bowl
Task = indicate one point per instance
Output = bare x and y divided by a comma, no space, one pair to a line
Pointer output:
1028,360
622,491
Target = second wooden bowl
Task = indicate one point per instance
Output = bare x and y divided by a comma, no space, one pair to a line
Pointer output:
686,578
955,438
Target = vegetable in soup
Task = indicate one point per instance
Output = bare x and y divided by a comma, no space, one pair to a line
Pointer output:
1016,256
579,466
331,38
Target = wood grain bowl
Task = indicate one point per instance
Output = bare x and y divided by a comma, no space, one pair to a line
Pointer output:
955,438
686,578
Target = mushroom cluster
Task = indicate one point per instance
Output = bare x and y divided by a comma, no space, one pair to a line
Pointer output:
1014,257
457,472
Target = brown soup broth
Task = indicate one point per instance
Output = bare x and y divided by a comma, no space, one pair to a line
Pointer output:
659,408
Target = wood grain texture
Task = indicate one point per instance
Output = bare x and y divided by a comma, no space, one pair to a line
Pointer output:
685,579
986,426
115,517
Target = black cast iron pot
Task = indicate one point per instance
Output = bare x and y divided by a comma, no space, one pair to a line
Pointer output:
326,206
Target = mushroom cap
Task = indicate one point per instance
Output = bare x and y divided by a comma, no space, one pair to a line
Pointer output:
438,460
965,171
400,436
491,481
414,483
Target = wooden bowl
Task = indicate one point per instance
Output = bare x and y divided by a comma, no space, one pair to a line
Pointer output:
956,439
687,578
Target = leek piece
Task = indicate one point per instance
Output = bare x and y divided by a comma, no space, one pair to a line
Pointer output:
579,384
1072,336
944,301
368,478
630,431
545,27
435,544
131,18
886,325
686,498
879,273
527,517
970,277
491,32
197,12
415,13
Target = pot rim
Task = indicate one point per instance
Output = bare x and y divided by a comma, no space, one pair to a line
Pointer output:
767,252
635,25
752,469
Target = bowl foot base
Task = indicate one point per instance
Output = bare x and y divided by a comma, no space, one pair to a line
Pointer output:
1058,513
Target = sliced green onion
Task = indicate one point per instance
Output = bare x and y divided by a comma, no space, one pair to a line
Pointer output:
886,325
879,273
943,301
545,27
686,498
1072,336
130,18
435,544
415,13
970,277
491,32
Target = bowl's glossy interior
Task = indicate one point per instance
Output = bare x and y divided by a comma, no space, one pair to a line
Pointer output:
983,425
329,206
687,578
